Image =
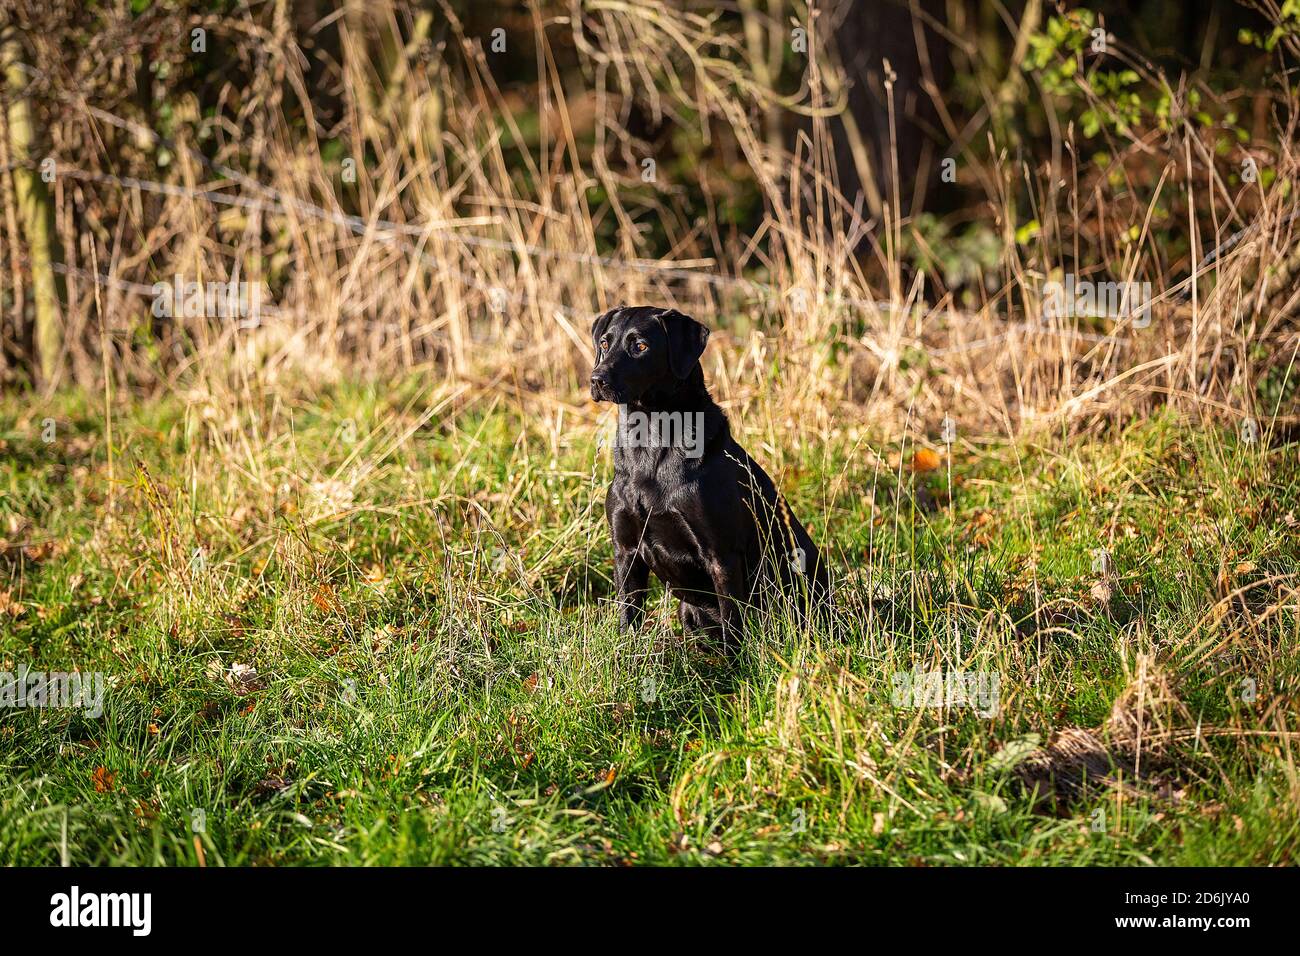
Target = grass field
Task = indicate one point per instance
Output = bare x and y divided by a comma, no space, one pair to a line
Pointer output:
372,625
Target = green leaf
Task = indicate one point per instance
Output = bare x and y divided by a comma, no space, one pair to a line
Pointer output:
990,802
1027,232
1014,752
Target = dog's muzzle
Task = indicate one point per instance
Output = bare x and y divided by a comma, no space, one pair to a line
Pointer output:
600,388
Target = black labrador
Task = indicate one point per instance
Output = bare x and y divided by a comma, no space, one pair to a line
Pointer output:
687,502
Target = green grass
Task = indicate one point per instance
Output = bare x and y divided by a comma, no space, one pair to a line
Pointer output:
438,677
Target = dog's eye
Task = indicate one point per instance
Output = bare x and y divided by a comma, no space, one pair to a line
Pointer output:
640,346
604,344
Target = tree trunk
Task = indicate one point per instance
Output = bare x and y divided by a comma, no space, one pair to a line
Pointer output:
36,213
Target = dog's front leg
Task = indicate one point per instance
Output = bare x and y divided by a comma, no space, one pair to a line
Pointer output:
632,577
728,576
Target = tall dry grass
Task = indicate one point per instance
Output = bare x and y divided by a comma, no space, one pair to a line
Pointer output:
473,251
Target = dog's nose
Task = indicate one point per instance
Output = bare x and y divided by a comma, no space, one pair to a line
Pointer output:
598,378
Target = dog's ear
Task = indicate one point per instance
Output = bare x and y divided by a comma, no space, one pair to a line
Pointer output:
600,325
686,341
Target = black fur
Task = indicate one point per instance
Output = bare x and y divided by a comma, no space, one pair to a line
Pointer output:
712,528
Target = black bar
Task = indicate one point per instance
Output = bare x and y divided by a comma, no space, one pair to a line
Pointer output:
298,906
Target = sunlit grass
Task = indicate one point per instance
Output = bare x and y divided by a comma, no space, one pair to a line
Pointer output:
421,593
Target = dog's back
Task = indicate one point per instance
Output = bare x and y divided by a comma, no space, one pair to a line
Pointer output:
784,552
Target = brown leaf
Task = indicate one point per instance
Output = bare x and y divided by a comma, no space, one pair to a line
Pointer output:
1100,593
925,460
8,605
103,778
326,600
243,679
272,784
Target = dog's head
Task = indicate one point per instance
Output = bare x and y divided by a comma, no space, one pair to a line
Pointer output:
642,349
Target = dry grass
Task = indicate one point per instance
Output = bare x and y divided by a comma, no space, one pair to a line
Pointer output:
474,248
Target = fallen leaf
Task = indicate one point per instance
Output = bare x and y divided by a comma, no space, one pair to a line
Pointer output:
925,460
1015,751
103,778
9,606
272,785
326,600
243,679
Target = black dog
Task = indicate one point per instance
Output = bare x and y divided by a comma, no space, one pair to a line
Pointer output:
694,509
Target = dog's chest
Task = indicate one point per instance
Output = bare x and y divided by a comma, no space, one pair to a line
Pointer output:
648,518
645,511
